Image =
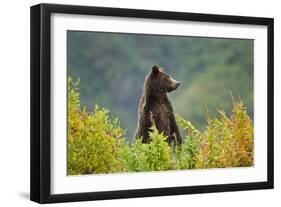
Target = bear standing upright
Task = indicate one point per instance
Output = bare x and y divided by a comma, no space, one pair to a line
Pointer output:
155,106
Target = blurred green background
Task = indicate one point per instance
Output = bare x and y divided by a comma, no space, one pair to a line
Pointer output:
112,68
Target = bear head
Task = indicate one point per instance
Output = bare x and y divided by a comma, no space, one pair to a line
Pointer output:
159,82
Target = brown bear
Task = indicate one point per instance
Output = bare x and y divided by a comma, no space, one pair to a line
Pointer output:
155,107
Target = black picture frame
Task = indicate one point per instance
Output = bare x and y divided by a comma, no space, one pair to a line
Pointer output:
41,99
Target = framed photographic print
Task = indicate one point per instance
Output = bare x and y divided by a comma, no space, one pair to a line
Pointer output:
133,103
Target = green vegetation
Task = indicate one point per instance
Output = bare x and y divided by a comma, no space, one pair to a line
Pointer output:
97,144
112,68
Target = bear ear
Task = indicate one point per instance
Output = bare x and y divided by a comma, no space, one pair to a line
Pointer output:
155,69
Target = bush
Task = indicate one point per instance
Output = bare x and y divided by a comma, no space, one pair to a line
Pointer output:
227,142
96,142
155,156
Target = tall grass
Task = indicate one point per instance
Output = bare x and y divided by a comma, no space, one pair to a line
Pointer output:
96,142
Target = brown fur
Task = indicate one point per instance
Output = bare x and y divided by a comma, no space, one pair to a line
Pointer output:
156,108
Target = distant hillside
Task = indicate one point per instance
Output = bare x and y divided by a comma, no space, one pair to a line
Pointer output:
112,68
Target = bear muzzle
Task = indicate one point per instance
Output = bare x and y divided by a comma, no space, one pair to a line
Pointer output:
174,86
